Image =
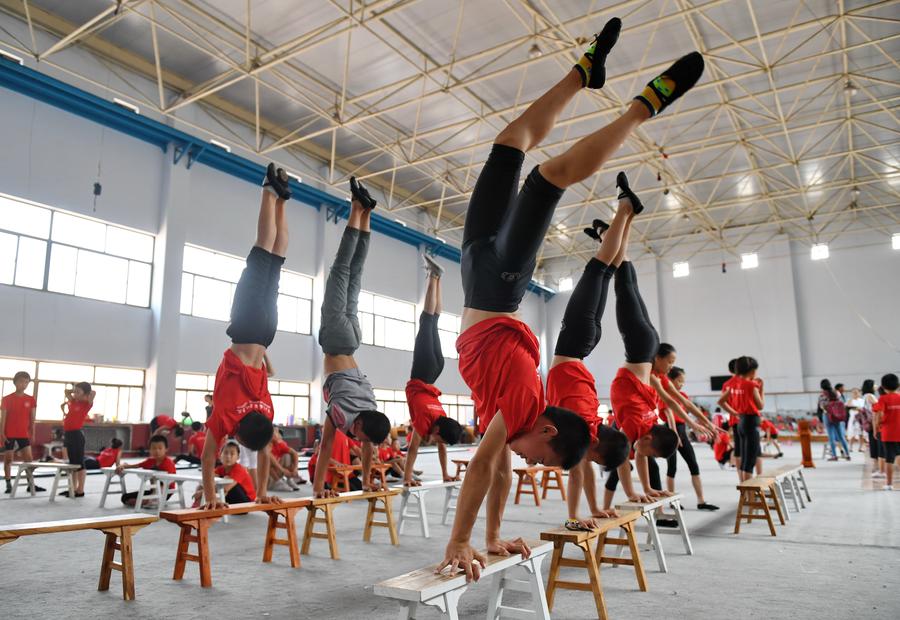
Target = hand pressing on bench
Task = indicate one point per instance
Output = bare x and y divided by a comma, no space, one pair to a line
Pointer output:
606,514
637,498
412,483
269,499
452,478
462,556
214,505
325,494
657,494
508,547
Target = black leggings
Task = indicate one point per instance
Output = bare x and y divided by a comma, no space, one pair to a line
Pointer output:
612,480
428,357
580,329
638,334
254,309
876,450
504,230
130,499
725,457
190,458
237,495
686,450
750,448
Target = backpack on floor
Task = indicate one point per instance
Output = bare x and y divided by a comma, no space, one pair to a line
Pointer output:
836,410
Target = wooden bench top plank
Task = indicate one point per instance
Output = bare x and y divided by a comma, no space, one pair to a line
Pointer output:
605,525
194,514
756,483
425,486
784,470
37,464
16,530
423,584
658,503
354,495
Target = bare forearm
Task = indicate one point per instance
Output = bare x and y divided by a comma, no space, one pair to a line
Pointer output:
325,449
574,485
411,454
442,458
643,469
625,478
262,466
471,496
367,463
496,502
589,482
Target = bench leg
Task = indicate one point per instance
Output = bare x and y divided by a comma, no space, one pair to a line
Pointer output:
127,560
594,574
519,488
534,491
55,488
536,583
310,531
795,486
196,532
29,474
554,572
776,500
181,501
71,476
408,610
656,542
782,498
740,512
562,487
635,556
118,538
423,514
109,553
805,487
142,489
329,526
447,603
106,483
450,494
282,519
403,503
682,527
16,484
761,497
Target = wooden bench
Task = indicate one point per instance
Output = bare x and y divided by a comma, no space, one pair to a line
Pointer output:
443,591
65,472
593,558
461,466
326,507
653,510
416,510
755,495
195,524
119,530
343,473
154,485
791,484
552,475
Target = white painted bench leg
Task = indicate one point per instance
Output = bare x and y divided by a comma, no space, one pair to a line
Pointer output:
448,603
109,475
181,501
656,542
495,600
450,496
55,487
682,527
795,485
779,491
222,499
404,500
805,487
408,610
536,581
29,475
16,482
71,476
423,514
139,502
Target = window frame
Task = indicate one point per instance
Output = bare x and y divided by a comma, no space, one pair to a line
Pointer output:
364,314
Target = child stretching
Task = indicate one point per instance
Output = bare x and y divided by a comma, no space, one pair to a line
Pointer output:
76,408
157,461
108,456
243,406
429,421
887,423
349,397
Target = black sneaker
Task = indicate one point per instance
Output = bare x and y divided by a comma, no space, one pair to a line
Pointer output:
598,227
666,523
361,194
277,182
37,489
705,506
672,83
8,489
625,192
596,54
66,494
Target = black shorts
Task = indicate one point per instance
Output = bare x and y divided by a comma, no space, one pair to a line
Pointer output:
254,311
74,443
14,444
738,439
891,450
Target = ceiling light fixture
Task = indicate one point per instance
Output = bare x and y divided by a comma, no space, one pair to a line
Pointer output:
565,284
535,51
819,251
850,88
750,261
681,270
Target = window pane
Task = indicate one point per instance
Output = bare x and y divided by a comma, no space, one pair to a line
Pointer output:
106,403
295,285
69,373
378,339
211,264
187,381
119,376
284,409
30,262
49,397
129,244
398,334
448,344
304,316
8,246
10,366
394,309
365,302
448,322
384,394
101,277
367,324
187,293
212,299
24,218
78,231
301,409
138,292
63,262
287,313
293,388
135,404
195,405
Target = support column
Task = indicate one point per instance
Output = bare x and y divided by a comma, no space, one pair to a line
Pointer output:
165,294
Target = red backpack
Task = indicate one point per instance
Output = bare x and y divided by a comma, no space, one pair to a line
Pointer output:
836,410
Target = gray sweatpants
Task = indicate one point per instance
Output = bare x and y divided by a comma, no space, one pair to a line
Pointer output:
339,333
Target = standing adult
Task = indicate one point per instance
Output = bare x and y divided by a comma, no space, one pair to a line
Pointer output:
854,423
876,450
834,412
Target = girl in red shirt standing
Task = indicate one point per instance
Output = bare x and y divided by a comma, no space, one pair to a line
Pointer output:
76,408
744,397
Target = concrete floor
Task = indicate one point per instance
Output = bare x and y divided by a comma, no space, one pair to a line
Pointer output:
837,559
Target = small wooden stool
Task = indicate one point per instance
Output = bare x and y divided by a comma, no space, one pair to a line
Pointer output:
388,511
310,532
755,494
461,466
528,475
552,475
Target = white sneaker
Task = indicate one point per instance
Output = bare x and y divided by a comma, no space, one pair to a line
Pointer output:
280,485
887,487
879,474
432,266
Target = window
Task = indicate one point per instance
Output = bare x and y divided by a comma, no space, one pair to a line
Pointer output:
448,331
210,278
387,322
681,270
392,403
819,251
52,250
120,391
289,398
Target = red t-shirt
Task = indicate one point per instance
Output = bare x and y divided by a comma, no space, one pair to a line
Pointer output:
198,440
164,421
732,419
721,446
385,454
167,465
239,390
280,448
424,406
241,476
108,456
741,397
664,380
570,385
77,415
889,406
766,426
340,452
498,360
19,409
634,404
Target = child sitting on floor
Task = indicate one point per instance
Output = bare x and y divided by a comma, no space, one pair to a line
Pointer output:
283,461
241,490
108,456
157,461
